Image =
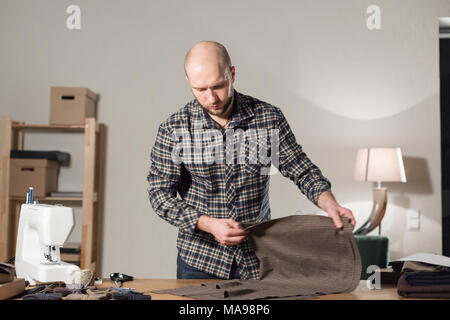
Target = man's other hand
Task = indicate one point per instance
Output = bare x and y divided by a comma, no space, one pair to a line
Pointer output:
226,231
337,212
328,203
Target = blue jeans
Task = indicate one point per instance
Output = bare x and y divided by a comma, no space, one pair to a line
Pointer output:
185,271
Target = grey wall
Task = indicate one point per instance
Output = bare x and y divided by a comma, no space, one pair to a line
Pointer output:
340,85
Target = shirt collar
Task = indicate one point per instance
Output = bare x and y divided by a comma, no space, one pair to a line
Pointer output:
242,111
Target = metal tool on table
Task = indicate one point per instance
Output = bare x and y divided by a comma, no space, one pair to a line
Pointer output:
119,278
43,229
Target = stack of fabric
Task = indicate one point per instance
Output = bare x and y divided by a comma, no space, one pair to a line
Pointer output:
62,292
83,289
424,280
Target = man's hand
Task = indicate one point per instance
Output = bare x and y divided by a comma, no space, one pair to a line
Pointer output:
226,231
328,203
337,212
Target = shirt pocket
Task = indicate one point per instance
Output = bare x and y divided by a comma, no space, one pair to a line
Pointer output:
256,169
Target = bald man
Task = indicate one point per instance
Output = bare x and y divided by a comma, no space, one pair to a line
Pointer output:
221,187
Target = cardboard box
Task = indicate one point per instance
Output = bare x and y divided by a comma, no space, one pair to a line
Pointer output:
71,105
7,272
41,174
71,258
12,289
70,253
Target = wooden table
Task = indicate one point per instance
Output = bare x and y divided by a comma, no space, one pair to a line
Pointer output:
387,292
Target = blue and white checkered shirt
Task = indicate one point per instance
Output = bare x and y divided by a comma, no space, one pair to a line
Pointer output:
233,188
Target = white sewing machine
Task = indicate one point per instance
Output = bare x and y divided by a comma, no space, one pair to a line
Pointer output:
43,229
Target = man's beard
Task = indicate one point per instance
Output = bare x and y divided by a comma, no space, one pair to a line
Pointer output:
224,110
218,112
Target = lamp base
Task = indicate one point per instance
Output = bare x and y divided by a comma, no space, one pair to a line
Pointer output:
378,211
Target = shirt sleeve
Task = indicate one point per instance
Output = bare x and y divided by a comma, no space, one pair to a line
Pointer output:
295,164
163,179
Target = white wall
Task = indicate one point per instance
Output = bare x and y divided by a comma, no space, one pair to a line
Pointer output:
340,85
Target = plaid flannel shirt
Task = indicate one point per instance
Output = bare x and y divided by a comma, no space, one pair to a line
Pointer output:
226,189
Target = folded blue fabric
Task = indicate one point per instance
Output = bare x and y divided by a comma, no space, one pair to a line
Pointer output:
130,296
43,296
123,290
423,278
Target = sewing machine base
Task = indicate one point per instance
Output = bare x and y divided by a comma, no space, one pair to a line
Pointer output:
54,272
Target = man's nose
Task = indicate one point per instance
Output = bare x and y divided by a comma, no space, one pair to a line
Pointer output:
211,96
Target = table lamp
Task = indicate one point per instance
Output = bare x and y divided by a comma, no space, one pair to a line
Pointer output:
378,164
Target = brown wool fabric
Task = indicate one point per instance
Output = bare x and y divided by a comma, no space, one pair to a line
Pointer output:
92,293
416,266
300,256
406,290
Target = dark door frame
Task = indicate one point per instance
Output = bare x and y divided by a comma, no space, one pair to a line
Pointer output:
444,67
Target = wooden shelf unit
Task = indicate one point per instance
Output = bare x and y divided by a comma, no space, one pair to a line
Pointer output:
12,138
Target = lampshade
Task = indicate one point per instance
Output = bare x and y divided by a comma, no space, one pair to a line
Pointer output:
379,164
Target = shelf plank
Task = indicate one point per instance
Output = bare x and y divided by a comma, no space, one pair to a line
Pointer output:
20,198
87,232
5,252
49,198
18,125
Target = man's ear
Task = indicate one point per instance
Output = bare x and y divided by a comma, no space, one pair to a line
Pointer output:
186,78
233,73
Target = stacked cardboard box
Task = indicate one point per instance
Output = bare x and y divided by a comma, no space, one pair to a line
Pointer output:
10,286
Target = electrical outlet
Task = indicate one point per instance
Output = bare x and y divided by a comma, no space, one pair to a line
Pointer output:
414,224
413,219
